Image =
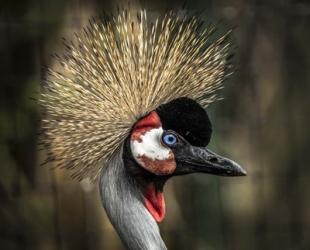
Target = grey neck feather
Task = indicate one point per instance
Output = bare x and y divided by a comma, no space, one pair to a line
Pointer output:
122,200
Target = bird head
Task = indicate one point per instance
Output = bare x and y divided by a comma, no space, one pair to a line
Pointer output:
170,141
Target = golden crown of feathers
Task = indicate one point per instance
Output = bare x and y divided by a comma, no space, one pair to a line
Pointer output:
116,71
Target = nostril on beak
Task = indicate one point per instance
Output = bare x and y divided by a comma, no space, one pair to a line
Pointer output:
213,160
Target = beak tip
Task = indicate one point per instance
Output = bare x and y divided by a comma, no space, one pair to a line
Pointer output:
242,172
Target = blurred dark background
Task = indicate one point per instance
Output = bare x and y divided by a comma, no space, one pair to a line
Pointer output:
263,123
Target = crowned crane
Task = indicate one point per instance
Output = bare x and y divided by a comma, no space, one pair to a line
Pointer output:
128,105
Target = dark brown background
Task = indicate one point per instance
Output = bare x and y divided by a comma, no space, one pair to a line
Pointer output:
263,123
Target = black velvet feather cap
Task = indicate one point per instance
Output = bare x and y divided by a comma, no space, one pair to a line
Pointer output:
186,117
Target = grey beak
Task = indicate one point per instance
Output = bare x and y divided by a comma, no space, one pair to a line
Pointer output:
191,159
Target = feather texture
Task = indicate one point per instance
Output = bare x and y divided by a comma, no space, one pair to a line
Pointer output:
118,70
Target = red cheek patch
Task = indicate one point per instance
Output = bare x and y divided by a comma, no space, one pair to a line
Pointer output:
151,155
159,167
147,123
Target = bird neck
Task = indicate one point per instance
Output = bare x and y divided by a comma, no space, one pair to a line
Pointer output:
123,201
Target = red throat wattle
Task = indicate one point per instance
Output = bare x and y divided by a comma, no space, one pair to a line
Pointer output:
155,202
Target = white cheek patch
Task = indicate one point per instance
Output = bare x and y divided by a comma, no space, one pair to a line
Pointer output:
149,145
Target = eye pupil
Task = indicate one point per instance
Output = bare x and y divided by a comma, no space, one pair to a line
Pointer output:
170,139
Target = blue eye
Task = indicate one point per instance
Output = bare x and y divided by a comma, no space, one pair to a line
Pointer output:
169,139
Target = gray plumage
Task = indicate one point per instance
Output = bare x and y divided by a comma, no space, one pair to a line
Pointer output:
122,200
